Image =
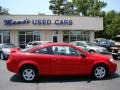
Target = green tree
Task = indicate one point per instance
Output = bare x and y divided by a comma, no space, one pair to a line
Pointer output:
62,7
3,11
77,7
112,24
57,6
69,9
89,7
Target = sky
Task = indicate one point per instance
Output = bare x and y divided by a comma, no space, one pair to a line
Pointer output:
33,7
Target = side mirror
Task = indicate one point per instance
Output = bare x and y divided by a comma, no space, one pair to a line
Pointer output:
83,55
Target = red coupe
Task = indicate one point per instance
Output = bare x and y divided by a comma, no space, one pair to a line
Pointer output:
59,59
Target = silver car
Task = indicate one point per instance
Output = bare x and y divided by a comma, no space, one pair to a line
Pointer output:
5,50
91,47
34,43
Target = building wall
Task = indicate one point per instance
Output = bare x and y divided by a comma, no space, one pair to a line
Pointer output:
61,36
14,37
78,22
16,23
48,34
92,36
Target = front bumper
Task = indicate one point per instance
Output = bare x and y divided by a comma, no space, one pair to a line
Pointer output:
112,68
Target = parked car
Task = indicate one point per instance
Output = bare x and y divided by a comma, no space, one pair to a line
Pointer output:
91,47
34,43
116,49
5,50
104,42
59,59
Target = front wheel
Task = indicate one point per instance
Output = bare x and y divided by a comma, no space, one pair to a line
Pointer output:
29,74
99,72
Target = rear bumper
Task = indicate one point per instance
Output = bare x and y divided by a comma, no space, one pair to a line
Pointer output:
11,66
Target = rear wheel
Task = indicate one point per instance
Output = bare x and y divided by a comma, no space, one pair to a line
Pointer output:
29,73
99,72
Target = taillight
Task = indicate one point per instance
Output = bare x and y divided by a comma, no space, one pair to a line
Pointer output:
13,50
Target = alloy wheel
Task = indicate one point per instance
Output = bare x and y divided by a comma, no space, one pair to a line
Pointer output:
100,72
29,73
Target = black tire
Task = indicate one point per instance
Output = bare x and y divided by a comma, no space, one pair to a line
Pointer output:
29,73
100,72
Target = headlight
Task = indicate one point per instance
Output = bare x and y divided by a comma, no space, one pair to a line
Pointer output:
113,61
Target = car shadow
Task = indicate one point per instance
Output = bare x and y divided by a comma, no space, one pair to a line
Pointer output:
62,79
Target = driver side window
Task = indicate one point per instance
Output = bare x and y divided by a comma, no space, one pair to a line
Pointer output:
65,50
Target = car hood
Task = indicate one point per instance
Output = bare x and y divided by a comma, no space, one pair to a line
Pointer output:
97,47
100,56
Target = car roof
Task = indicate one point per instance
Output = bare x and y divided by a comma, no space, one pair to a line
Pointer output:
56,44
79,41
52,44
40,42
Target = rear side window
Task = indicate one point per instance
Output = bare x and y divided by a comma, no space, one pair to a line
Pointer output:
42,51
47,50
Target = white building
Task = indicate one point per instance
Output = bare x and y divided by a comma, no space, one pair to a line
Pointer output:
21,29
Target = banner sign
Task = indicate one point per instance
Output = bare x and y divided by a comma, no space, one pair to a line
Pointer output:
10,22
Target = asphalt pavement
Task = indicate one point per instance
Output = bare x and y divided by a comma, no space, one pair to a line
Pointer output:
11,81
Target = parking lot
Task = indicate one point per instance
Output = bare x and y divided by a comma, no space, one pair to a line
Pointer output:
10,81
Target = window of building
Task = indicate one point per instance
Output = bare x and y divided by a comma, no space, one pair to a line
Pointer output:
4,37
76,35
28,36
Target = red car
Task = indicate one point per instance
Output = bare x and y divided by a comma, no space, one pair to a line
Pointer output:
59,59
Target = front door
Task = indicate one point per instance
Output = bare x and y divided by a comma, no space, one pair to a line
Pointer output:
55,38
65,61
